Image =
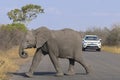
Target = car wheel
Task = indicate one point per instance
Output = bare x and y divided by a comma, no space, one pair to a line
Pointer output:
83,49
99,49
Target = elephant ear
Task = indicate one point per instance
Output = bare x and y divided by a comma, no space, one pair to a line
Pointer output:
42,36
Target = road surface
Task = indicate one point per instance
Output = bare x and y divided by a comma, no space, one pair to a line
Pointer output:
104,66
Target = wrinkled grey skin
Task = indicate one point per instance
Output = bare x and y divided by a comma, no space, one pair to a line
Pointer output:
64,43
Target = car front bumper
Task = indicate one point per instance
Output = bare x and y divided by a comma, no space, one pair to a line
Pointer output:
91,46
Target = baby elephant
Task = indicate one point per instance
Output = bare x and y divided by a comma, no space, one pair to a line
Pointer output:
65,43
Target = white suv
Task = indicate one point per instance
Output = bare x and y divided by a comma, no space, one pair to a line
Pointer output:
91,42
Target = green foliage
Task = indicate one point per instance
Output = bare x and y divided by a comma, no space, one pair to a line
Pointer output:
16,15
14,26
33,8
25,14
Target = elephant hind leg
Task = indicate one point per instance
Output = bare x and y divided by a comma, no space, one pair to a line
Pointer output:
82,62
71,67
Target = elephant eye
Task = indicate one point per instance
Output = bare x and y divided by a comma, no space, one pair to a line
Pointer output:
27,41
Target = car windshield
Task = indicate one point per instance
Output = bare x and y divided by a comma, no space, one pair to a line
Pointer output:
91,38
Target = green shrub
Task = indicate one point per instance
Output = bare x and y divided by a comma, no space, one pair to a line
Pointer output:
14,26
11,34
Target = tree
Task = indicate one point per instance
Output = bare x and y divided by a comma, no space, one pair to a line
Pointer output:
114,36
25,14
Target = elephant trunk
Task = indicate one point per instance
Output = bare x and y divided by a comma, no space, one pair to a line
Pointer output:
22,53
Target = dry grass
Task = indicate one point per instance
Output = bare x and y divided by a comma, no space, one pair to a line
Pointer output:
6,65
111,49
9,61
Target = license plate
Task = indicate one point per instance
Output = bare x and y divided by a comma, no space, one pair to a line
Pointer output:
92,44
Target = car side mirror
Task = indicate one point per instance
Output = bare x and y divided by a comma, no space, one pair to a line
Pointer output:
82,39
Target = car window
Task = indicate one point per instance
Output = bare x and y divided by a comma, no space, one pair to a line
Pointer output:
91,38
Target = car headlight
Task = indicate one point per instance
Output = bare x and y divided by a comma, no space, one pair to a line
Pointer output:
99,42
85,42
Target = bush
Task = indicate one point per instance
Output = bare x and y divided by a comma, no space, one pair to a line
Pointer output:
10,35
114,36
101,32
14,26
109,37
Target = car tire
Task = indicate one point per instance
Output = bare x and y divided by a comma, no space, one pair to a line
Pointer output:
83,49
99,49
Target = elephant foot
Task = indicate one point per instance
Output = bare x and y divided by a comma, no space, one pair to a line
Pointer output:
59,74
28,74
70,73
89,70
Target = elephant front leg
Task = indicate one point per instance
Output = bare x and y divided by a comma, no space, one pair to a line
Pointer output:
36,60
56,64
71,67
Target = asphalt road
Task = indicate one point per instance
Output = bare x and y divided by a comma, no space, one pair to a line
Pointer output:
104,66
